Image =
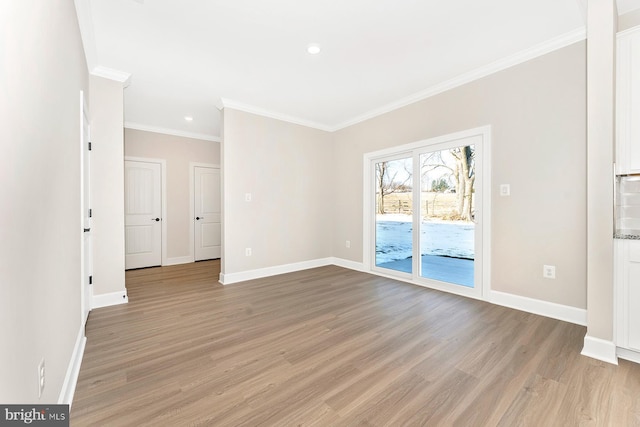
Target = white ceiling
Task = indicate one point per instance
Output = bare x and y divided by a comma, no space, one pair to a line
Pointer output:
186,56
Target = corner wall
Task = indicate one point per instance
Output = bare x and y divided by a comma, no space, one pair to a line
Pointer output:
107,190
287,169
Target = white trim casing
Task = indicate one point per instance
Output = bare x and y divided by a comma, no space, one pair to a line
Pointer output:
599,349
107,300
229,278
543,308
174,132
235,105
627,354
533,52
549,46
111,74
73,370
351,265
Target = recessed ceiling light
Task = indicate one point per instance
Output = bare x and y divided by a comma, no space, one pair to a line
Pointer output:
313,48
188,118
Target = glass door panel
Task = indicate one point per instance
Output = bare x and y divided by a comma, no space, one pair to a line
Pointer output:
394,214
447,212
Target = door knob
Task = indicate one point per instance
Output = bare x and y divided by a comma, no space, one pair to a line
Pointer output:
199,217
155,219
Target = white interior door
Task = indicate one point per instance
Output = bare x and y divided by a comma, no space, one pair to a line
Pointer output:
207,213
143,214
87,254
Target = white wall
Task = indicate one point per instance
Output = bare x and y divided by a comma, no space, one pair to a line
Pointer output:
601,56
178,152
537,111
287,169
43,70
107,186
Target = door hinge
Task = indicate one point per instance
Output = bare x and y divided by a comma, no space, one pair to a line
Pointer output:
89,145
90,213
91,280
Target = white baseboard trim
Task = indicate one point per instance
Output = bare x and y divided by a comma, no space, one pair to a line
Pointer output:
627,354
352,265
543,308
179,260
599,349
73,370
106,300
229,278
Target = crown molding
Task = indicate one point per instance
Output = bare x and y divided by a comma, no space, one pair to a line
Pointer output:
235,105
549,46
85,22
174,132
111,74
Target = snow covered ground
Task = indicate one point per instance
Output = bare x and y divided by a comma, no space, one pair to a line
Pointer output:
444,238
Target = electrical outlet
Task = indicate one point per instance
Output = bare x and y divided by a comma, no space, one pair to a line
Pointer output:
40,378
549,271
247,252
348,244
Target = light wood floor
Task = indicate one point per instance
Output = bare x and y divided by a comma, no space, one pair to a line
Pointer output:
334,347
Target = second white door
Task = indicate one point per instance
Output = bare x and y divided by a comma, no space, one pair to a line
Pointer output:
207,213
143,214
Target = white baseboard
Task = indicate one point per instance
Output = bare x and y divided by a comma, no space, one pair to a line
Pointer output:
352,265
626,354
179,260
599,349
543,308
229,278
73,370
106,300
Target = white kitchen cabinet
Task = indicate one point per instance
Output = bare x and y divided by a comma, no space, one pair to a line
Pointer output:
628,102
627,281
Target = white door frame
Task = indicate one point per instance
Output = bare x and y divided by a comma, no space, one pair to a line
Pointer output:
192,198
163,196
86,291
484,183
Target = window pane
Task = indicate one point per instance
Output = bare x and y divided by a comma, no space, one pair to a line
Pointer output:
447,210
394,210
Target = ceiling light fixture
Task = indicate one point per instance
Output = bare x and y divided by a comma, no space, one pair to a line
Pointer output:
313,49
188,118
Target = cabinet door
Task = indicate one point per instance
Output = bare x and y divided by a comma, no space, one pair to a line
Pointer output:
633,295
628,102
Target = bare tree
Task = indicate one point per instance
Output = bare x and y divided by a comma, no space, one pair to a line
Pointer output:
389,181
465,175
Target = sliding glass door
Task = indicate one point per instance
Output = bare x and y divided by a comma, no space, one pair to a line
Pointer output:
394,213
447,211
427,215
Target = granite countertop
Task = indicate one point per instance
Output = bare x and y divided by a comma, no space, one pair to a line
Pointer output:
627,234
